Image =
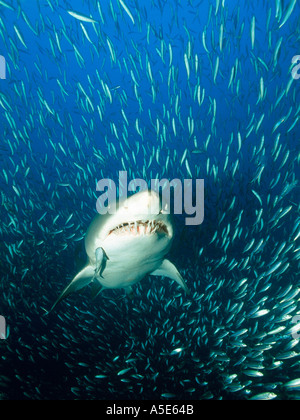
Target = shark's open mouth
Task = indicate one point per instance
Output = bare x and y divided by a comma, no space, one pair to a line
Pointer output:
149,227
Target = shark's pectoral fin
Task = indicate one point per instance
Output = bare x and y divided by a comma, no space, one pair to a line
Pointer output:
82,279
167,269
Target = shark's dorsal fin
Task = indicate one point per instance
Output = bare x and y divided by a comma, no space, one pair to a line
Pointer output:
82,279
167,269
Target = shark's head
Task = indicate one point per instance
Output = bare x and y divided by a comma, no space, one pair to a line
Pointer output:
138,221
125,246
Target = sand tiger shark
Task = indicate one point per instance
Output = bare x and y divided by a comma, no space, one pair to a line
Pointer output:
122,248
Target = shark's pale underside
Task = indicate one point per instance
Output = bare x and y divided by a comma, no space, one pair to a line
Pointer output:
122,248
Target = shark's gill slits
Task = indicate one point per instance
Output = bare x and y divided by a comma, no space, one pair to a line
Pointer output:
141,228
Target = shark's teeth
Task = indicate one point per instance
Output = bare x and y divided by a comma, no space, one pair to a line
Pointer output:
141,228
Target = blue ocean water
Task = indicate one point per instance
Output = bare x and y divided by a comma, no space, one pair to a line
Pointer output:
177,90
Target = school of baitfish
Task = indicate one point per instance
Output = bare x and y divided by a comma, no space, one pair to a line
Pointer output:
180,89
